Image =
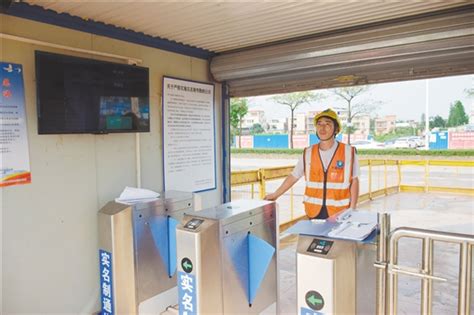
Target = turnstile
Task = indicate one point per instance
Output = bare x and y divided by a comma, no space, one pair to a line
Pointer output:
335,276
137,253
227,259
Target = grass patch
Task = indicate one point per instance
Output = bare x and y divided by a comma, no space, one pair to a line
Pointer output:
405,152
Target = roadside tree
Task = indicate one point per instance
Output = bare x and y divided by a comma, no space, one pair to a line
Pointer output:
238,109
293,101
437,122
457,115
355,109
256,129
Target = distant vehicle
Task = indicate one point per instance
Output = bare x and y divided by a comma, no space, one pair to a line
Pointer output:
420,142
367,144
389,143
403,143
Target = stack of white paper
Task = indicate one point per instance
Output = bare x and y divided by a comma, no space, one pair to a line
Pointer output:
357,216
132,195
353,230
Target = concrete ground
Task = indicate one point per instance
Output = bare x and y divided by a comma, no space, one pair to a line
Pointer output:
439,212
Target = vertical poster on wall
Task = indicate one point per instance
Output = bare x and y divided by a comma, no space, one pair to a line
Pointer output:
15,162
189,161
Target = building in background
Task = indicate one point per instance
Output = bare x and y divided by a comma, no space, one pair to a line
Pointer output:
277,125
385,125
254,116
299,123
362,126
309,121
406,124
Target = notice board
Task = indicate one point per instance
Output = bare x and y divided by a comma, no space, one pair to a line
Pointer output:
189,149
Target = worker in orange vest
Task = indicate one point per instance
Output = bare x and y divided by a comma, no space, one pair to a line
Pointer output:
330,169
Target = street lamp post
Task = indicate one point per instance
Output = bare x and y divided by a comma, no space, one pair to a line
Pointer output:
427,115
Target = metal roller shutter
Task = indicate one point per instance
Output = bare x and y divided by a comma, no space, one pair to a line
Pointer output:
432,45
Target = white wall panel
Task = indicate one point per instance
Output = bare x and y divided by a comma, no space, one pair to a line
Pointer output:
49,227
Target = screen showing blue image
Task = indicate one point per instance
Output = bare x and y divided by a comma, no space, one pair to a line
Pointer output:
123,113
79,95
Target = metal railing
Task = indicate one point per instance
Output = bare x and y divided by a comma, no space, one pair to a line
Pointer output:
259,178
387,300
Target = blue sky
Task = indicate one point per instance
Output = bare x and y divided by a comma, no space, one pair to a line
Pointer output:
405,99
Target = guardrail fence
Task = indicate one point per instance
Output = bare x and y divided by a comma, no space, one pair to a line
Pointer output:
378,178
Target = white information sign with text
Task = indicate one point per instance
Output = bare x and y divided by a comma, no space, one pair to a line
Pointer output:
189,159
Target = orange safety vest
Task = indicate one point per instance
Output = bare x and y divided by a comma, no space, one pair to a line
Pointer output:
330,188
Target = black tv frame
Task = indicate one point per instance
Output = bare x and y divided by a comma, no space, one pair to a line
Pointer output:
44,131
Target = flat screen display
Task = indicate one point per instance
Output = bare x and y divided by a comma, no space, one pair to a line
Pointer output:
79,95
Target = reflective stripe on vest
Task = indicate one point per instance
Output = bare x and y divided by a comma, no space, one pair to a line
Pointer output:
336,195
329,202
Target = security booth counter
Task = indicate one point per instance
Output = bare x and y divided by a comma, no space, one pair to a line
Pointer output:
335,264
227,259
137,253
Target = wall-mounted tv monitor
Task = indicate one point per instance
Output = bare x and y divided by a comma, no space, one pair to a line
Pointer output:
79,95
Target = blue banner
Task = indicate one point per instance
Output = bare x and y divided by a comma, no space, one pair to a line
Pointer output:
15,166
187,293
106,281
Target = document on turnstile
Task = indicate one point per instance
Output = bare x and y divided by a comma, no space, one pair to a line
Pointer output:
354,225
353,230
131,195
350,225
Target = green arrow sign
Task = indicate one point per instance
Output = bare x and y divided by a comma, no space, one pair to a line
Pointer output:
187,265
314,300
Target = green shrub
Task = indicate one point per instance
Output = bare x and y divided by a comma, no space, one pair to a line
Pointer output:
413,152
266,151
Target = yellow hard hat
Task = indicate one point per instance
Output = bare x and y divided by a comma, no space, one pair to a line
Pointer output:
330,114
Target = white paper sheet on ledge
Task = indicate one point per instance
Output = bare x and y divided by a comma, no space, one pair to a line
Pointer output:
133,195
353,230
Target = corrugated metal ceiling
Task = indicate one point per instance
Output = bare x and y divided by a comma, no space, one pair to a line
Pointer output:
224,26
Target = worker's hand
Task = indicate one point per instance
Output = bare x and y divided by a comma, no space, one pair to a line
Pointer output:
271,197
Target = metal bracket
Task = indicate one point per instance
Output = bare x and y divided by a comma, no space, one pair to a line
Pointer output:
395,269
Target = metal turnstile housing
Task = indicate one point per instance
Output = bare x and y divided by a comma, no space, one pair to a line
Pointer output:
344,278
139,272
218,263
